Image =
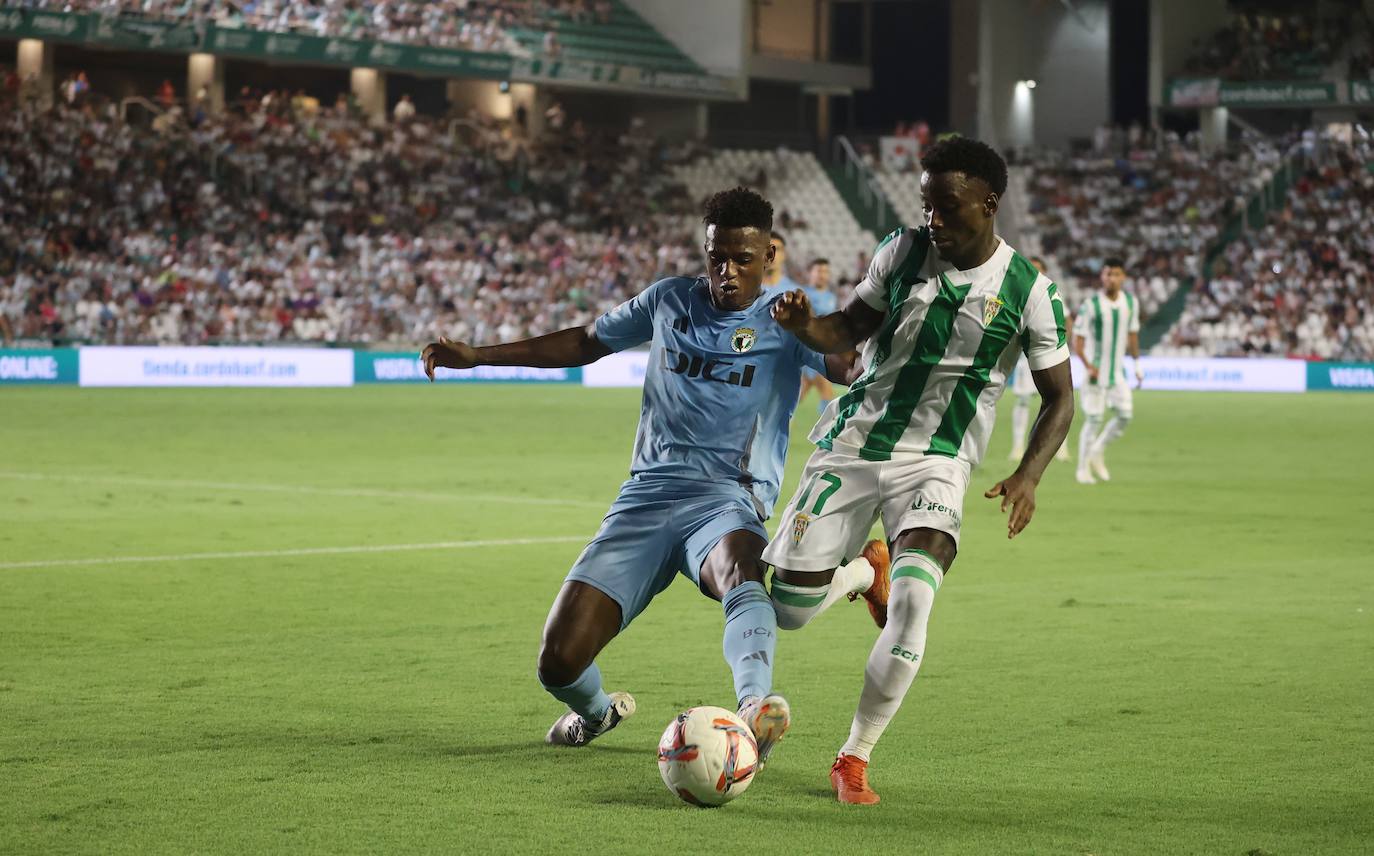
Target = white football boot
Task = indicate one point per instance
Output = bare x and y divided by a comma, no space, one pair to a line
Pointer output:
1084,477
572,729
769,718
1098,462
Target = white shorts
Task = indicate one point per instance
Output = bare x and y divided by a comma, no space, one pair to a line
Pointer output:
840,497
1096,399
1022,383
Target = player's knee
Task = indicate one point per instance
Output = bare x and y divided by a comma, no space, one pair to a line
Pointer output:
731,574
561,662
908,607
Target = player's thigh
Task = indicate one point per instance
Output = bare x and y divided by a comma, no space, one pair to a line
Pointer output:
1092,400
1121,399
828,520
923,505
720,562
631,559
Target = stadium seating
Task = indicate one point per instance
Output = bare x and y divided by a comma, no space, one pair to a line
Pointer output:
1302,44
270,226
1303,285
797,185
618,35
1159,209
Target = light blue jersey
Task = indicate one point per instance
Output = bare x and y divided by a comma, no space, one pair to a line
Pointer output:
822,302
720,388
782,286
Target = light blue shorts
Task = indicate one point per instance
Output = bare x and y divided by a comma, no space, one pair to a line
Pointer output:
656,529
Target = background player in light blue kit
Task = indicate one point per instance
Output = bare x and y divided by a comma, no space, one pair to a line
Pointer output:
823,300
719,393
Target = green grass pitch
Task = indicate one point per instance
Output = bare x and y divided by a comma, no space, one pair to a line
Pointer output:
1181,661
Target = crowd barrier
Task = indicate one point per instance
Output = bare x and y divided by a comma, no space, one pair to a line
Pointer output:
325,367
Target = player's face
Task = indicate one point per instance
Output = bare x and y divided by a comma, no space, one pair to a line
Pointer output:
736,258
819,277
959,211
1113,278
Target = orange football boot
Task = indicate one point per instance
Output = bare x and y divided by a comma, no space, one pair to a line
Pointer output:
875,552
849,778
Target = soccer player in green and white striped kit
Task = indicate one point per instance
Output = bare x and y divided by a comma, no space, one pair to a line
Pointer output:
1108,327
945,310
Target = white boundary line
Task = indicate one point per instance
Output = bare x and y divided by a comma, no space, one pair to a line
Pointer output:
370,493
305,551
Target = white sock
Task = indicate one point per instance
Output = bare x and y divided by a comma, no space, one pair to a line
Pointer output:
1020,424
897,654
797,605
1086,438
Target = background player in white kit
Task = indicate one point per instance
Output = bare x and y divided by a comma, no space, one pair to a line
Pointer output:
1023,387
1108,328
945,310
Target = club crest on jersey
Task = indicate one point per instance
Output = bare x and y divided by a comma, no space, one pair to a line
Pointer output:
742,340
991,307
799,524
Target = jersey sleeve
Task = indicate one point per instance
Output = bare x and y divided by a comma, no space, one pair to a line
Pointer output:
809,358
1134,326
898,253
632,322
1044,340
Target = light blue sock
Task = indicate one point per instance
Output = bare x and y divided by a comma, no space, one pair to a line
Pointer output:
584,695
751,634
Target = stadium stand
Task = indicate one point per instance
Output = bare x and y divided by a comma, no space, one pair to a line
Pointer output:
1160,208
264,225
1258,46
1303,284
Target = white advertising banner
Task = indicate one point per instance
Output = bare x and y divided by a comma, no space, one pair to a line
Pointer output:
1223,375
216,367
626,368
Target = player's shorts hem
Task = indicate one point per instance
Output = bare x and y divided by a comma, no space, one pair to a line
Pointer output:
625,617
919,520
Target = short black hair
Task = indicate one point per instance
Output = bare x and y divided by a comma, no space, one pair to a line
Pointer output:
822,260
777,236
1113,261
973,158
738,208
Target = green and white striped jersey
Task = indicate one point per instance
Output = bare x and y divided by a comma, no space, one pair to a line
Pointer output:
940,360
1105,326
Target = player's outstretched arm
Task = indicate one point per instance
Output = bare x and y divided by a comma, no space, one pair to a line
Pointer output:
1055,385
1080,351
836,333
575,346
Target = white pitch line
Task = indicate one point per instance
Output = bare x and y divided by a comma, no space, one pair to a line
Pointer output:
371,493
305,551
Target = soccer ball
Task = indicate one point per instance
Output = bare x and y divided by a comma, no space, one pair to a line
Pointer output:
707,756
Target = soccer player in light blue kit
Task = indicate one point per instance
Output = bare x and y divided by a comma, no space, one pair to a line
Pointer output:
824,300
719,392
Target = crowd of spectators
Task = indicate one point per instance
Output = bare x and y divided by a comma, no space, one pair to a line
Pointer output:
1260,46
479,25
271,223
1303,285
1159,203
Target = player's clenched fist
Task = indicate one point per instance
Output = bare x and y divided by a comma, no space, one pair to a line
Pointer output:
448,354
792,310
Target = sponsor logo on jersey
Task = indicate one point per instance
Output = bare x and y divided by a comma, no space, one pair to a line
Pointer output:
743,340
713,370
922,504
799,524
991,307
